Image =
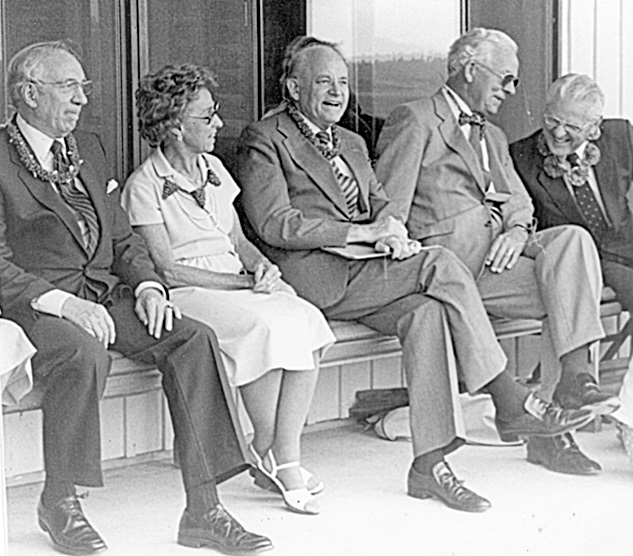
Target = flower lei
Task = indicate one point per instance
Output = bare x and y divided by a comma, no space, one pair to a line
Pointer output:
33,165
555,167
328,152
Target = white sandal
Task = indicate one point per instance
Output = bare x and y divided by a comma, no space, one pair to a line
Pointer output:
313,484
298,499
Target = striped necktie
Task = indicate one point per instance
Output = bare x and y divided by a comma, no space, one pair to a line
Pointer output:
588,204
77,200
349,186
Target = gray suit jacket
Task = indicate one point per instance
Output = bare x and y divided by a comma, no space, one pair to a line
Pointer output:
295,206
432,174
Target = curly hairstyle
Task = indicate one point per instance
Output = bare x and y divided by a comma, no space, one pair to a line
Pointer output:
162,98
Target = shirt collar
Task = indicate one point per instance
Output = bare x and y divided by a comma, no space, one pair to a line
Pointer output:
456,103
39,142
164,169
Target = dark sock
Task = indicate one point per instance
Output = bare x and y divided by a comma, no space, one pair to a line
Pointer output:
424,464
55,490
574,363
202,498
507,395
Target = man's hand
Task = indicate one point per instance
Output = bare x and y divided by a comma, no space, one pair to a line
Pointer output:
400,248
92,317
155,312
507,249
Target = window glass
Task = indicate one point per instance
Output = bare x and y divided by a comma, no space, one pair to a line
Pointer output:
397,48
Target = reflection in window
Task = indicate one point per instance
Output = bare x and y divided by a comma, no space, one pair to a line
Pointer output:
396,49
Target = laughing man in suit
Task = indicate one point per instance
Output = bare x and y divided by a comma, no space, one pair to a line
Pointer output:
579,170
449,172
307,186
78,281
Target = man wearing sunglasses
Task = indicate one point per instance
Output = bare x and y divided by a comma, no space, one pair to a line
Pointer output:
578,168
451,175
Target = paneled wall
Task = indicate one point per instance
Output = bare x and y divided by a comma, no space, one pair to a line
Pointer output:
597,39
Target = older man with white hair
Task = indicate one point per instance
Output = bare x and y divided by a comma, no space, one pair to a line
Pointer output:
449,171
578,168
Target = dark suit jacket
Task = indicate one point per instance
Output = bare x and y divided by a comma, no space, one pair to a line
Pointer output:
432,174
41,246
294,203
614,173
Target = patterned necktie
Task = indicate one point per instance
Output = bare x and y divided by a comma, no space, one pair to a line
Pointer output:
588,204
349,186
77,200
477,123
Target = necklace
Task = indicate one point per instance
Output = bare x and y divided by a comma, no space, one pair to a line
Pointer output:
170,187
33,165
328,152
555,167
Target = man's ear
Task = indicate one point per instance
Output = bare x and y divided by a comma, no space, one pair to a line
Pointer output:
468,71
29,94
292,85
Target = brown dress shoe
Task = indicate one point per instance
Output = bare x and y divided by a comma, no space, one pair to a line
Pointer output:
550,420
584,392
68,527
560,454
443,485
218,529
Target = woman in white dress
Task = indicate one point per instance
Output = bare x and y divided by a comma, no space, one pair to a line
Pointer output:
180,200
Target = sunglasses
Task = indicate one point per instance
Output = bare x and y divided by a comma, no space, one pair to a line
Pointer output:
506,79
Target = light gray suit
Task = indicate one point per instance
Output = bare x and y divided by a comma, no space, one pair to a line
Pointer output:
433,175
295,206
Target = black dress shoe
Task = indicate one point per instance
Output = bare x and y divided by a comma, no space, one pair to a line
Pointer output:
560,454
552,420
68,527
583,392
444,486
218,529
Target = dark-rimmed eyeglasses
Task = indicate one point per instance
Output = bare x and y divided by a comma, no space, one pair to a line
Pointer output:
506,79
209,118
552,122
70,86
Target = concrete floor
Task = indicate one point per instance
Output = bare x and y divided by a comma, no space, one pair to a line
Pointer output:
365,510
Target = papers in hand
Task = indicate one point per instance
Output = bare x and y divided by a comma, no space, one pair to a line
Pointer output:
356,251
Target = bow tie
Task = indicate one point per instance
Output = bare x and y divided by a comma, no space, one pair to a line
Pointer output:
199,195
474,119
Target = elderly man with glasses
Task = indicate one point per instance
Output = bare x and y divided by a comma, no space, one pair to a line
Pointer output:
449,171
579,169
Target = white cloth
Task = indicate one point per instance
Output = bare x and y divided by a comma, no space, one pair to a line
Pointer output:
625,413
16,377
256,332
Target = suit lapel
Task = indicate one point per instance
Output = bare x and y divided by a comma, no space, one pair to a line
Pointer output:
455,139
562,198
46,195
606,172
310,160
94,187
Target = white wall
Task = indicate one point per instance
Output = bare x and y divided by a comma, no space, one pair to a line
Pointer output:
597,39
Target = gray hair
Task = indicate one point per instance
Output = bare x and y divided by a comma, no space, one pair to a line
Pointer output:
477,44
296,58
578,89
23,64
